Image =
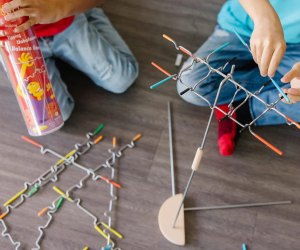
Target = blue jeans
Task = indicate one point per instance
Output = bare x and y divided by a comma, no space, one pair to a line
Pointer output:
246,72
91,45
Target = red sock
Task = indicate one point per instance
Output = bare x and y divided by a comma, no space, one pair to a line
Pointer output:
227,130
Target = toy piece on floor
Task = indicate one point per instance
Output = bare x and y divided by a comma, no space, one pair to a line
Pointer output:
170,220
244,247
178,60
31,188
247,205
108,247
69,158
52,175
113,197
167,213
106,229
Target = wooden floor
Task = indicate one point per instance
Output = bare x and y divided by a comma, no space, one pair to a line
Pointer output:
253,174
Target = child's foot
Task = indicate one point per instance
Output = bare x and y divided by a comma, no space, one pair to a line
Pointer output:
227,130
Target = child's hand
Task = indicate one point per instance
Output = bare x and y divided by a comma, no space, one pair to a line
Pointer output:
39,12
293,76
267,44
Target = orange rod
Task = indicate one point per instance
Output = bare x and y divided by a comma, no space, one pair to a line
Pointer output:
117,185
168,38
114,142
294,122
2,216
269,145
137,137
160,69
42,212
34,143
100,138
185,51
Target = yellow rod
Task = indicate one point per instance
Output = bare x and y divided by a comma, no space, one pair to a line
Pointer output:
59,191
11,200
115,232
100,231
66,157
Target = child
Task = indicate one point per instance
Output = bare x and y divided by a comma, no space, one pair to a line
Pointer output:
80,34
272,28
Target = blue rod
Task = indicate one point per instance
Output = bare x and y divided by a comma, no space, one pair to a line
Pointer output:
240,38
280,91
162,82
244,247
220,48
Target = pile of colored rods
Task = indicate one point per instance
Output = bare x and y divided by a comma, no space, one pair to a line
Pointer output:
30,189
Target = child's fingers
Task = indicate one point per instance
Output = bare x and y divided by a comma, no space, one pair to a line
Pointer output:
275,61
288,76
293,73
265,60
289,96
19,14
253,51
293,95
24,26
295,92
259,52
14,5
294,98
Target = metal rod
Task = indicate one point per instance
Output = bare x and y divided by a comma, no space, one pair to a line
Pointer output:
184,195
190,209
171,149
229,76
249,94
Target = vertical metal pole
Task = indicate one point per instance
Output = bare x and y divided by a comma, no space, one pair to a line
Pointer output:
203,143
171,149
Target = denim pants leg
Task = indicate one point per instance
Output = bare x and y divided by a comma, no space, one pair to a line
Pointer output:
93,46
246,73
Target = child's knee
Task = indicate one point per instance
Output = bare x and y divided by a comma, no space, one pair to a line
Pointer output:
122,79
